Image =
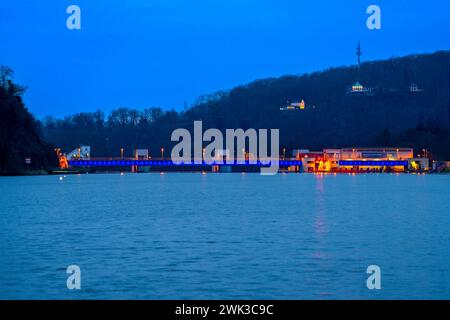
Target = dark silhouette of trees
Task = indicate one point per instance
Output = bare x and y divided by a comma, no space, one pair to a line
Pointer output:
394,116
20,133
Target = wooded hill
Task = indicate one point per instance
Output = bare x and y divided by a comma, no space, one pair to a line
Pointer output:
393,117
20,136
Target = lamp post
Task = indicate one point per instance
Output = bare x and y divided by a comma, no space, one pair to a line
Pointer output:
162,153
108,148
284,153
121,153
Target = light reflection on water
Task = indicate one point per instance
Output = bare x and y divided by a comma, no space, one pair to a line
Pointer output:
292,236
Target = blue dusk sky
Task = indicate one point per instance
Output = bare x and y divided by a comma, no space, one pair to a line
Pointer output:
144,53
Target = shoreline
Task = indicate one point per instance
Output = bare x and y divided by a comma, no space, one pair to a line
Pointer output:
75,172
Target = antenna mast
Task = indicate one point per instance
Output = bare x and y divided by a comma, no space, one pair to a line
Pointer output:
359,54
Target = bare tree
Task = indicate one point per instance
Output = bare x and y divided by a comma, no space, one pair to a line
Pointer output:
6,74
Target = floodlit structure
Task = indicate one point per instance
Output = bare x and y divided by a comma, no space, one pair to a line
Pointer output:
295,106
82,152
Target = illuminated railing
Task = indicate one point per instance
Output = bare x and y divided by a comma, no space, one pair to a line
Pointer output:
372,163
149,163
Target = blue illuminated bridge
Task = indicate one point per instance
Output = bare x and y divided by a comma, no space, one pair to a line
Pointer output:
170,163
373,163
241,164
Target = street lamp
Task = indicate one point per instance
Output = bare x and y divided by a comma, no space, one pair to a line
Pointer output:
284,153
162,153
121,153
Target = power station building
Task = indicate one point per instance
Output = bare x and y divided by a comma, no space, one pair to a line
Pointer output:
361,160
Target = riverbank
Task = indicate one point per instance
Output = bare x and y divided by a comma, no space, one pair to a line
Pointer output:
99,172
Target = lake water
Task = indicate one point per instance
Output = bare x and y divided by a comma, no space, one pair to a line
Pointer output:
225,236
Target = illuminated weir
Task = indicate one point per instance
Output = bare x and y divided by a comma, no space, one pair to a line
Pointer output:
167,164
348,160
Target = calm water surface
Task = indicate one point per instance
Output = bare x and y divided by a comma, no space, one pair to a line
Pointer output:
223,236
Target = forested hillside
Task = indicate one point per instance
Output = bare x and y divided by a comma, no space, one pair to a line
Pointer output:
394,116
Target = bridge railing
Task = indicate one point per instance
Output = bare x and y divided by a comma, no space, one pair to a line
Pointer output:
108,162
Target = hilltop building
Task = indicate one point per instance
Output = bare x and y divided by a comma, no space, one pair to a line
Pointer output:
141,154
413,88
296,106
358,88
